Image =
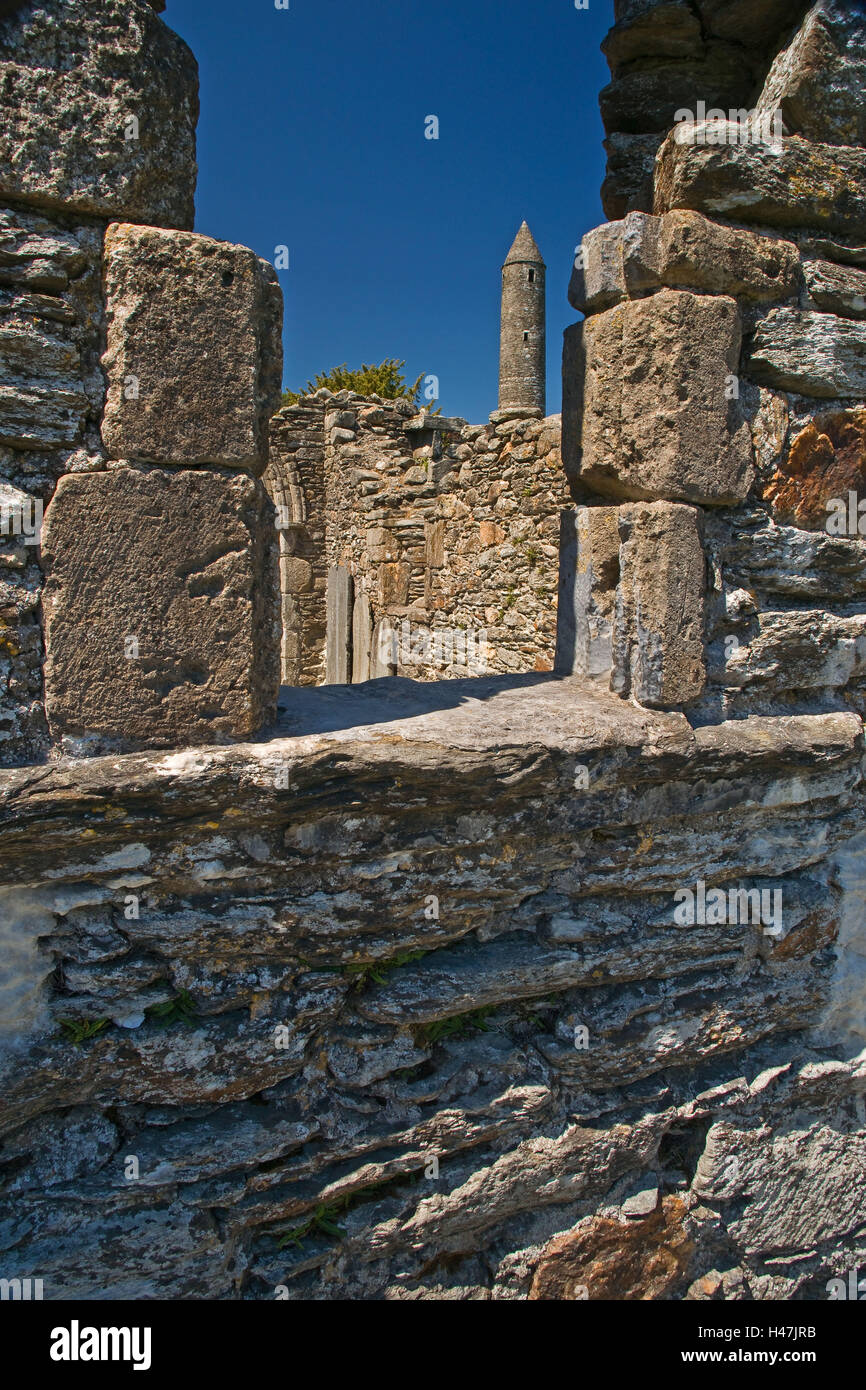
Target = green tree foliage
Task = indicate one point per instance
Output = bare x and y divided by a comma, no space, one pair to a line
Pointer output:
386,380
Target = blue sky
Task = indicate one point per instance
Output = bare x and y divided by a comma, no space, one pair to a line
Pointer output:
312,137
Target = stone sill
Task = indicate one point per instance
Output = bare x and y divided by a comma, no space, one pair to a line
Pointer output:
472,743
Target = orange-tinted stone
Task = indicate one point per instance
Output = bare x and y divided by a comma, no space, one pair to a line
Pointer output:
827,460
622,1260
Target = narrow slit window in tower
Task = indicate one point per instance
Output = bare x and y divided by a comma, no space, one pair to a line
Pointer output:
532,277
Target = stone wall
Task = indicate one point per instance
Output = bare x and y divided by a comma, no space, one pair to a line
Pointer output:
295,479
146,614
506,988
449,532
720,367
666,55
455,1043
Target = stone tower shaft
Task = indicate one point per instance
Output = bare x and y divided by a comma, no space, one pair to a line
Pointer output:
522,354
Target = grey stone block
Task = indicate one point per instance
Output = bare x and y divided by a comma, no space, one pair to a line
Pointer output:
161,609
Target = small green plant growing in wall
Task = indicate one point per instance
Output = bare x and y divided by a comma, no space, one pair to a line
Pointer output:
321,1222
81,1030
180,1009
456,1027
377,972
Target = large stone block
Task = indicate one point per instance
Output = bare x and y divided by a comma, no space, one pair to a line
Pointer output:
649,407
659,633
818,80
645,98
194,357
816,354
588,575
161,608
803,185
668,30
99,107
597,279
758,22
680,250
685,250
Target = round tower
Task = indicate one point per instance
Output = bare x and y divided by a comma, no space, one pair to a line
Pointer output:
522,358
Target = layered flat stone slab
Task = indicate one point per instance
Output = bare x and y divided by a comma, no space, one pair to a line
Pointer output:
161,609
806,184
837,289
816,354
99,106
194,354
650,406
659,634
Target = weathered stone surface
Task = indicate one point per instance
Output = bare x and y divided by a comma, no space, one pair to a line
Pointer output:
665,57
764,559
645,97
42,401
668,30
252,900
685,250
22,718
826,460
339,605
194,357
816,354
801,1186
622,1260
588,575
680,250
758,22
818,80
648,407
807,185
454,542
628,182
838,251
659,635
73,76
51,396
160,608
597,280
362,636
50,322
797,651
837,289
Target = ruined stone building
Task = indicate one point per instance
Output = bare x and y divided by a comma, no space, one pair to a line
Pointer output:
419,546
537,984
